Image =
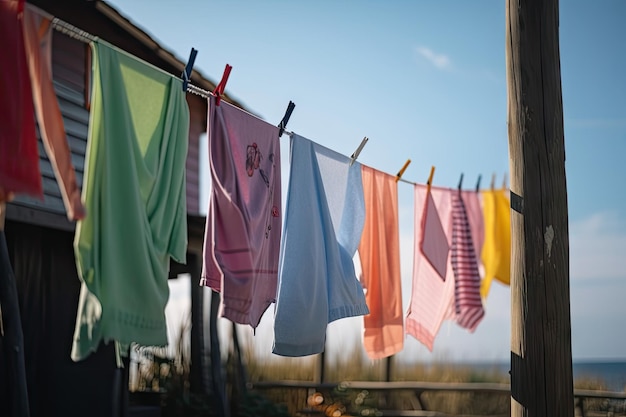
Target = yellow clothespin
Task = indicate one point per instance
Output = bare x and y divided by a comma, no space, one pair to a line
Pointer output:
401,172
430,177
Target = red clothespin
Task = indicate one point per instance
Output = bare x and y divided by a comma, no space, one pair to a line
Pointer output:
219,89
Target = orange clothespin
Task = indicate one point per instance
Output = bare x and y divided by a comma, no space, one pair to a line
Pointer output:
401,172
430,177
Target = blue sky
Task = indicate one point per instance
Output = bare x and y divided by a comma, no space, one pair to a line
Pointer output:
426,80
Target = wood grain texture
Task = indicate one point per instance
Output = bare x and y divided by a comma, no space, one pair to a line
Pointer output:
541,357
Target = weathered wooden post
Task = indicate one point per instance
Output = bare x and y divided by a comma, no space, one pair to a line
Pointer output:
198,367
541,352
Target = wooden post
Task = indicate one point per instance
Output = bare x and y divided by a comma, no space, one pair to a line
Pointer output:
541,352
320,368
11,328
198,367
218,380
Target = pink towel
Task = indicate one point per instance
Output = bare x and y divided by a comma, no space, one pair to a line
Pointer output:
474,211
431,297
468,303
242,239
379,252
38,40
19,157
433,241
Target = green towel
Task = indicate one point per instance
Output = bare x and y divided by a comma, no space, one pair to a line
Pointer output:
134,193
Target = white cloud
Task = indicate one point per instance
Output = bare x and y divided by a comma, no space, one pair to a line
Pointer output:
597,247
440,61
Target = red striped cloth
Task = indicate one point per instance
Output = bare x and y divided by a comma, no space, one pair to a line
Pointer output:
467,301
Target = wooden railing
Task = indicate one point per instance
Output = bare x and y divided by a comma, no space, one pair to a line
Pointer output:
419,388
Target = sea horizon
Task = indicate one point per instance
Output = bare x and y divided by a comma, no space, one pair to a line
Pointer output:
612,371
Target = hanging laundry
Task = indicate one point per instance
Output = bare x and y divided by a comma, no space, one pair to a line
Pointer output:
431,297
433,241
474,211
496,253
242,238
379,253
19,157
38,40
323,223
134,193
467,301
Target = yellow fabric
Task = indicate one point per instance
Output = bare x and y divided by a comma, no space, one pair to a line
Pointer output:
496,253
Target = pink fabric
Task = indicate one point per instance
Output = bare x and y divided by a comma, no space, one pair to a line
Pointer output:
433,243
468,303
431,297
19,157
474,212
242,239
38,40
379,252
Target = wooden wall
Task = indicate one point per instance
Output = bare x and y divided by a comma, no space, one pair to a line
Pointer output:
70,68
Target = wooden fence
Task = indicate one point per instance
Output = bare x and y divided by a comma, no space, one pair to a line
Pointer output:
421,407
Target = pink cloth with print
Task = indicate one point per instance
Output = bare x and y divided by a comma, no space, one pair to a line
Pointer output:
432,297
243,227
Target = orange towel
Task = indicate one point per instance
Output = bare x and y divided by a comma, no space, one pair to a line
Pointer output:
496,253
379,252
38,45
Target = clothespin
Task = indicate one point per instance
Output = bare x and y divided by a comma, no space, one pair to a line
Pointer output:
356,153
219,89
504,181
283,123
478,183
430,177
460,182
401,172
186,75
493,180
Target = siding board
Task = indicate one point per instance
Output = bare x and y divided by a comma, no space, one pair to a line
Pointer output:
69,66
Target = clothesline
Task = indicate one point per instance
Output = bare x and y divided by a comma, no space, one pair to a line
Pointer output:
450,227
86,37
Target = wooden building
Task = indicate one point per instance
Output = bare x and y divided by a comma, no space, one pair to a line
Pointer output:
40,238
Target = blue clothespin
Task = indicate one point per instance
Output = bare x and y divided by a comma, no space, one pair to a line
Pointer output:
478,183
283,123
186,75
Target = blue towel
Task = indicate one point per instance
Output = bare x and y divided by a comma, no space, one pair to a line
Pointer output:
324,219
